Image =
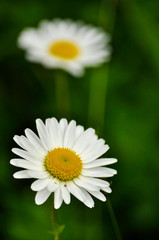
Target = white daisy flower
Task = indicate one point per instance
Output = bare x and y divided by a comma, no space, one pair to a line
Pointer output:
65,160
65,44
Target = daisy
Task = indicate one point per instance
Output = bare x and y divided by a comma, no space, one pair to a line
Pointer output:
66,45
64,159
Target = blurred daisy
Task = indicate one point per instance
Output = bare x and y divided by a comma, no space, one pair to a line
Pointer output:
65,44
64,160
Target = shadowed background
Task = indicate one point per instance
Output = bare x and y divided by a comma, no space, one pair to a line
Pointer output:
130,124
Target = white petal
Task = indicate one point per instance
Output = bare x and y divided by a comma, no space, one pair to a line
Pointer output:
54,133
106,189
95,181
40,184
70,135
85,185
92,156
111,171
29,147
21,174
76,191
80,194
93,145
88,199
63,126
16,138
100,162
38,174
111,160
93,35
65,193
14,161
26,164
42,131
99,172
79,131
75,68
24,154
35,141
53,185
57,132
83,140
98,195
42,196
58,198
29,39
51,142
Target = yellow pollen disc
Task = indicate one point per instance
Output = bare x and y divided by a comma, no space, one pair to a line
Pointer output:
64,50
63,163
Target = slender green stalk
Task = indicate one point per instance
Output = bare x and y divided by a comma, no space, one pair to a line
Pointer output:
56,228
62,94
46,80
107,14
55,85
53,220
114,221
53,212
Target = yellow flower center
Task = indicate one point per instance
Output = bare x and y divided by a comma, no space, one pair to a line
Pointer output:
63,163
64,50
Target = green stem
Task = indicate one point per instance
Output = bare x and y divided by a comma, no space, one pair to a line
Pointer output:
56,228
55,85
53,219
46,81
62,94
107,14
53,212
56,237
114,221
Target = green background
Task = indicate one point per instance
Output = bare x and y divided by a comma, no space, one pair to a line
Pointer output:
130,123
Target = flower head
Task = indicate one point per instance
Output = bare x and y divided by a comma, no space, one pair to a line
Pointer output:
65,160
65,44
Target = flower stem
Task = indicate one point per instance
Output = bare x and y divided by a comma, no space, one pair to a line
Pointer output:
62,94
56,228
107,14
114,221
53,212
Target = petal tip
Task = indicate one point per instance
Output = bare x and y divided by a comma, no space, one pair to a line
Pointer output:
15,137
14,175
12,162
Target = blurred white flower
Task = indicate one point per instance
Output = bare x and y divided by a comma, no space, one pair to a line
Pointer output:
64,160
65,44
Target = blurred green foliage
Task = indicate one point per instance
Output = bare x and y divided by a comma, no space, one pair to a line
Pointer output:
131,118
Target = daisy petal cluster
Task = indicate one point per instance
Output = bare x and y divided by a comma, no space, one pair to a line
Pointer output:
66,45
64,159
